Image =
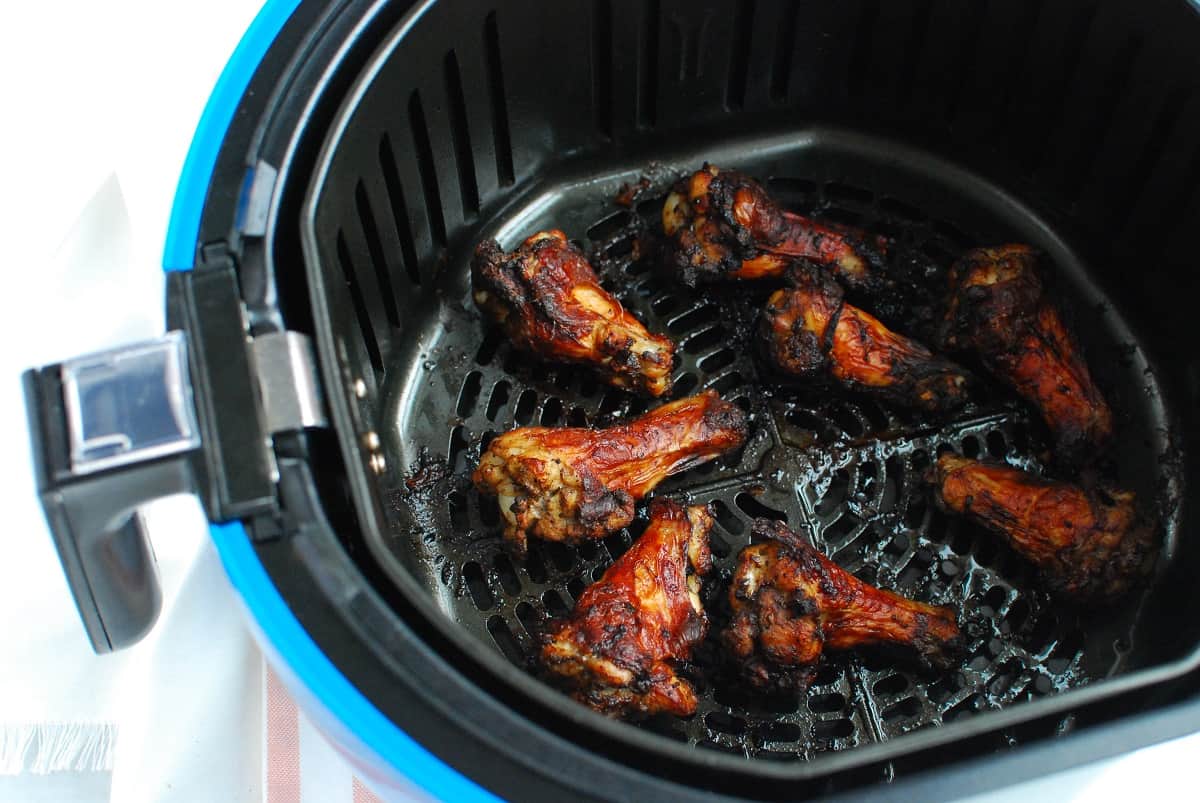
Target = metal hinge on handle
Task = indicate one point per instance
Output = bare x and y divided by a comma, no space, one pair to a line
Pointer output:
289,386
191,412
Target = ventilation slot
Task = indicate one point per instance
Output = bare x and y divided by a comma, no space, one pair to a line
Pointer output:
860,50
964,63
391,180
647,101
456,448
360,305
497,400
530,618
500,133
739,56
375,249
1071,49
1116,84
477,586
602,67
1020,77
755,509
505,640
425,165
1130,193
461,134
915,50
785,48
469,394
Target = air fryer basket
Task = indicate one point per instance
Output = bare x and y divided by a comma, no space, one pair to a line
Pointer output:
1069,125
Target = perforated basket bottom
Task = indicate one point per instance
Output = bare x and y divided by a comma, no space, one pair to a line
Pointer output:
845,470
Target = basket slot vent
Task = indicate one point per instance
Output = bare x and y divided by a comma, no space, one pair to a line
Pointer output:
602,79
785,49
469,395
360,306
1022,75
395,191
1175,186
481,595
860,48
756,509
917,43
1116,85
1070,50
739,56
460,133
530,618
505,640
427,168
497,400
965,62
1130,190
499,102
379,260
647,100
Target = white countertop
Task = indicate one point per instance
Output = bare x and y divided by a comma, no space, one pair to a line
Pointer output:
101,101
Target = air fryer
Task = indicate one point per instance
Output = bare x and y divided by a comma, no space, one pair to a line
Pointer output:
328,382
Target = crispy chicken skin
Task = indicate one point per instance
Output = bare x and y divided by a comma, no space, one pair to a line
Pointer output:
997,309
790,603
616,651
548,300
722,224
809,331
574,484
1089,545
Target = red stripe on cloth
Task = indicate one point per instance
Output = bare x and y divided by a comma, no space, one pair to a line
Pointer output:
364,795
283,744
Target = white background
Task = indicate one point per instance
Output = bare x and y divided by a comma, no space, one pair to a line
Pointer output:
100,100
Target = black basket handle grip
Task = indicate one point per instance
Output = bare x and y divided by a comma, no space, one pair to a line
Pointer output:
110,433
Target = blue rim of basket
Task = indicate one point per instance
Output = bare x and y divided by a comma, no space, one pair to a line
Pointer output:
299,653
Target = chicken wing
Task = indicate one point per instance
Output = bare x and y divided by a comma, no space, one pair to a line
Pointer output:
1089,545
790,603
573,484
997,309
721,224
808,331
617,650
548,300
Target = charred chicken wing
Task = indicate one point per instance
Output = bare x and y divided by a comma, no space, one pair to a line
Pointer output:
1089,545
549,301
722,225
790,603
617,649
809,331
998,310
565,484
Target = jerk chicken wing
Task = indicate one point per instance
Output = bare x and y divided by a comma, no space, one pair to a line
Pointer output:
809,331
998,310
573,484
616,651
722,224
548,300
1089,545
790,603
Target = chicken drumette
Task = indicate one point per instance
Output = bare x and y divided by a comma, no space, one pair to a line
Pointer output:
617,649
721,224
572,484
1089,545
790,603
547,298
998,310
808,330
